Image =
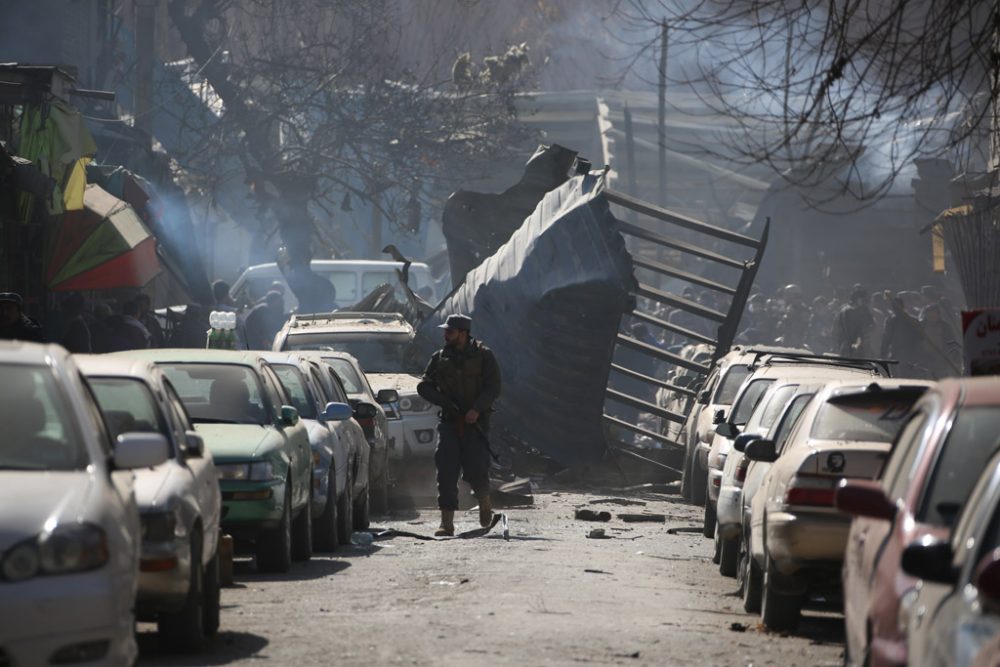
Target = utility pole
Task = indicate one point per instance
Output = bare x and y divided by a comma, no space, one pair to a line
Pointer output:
145,50
661,125
633,188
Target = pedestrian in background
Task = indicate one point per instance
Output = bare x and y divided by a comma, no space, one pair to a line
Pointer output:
14,324
76,337
463,378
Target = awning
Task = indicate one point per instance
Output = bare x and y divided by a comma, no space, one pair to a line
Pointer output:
103,246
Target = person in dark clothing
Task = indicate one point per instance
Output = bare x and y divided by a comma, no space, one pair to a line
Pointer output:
220,293
77,338
14,324
463,378
191,331
903,341
149,320
855,326
264,321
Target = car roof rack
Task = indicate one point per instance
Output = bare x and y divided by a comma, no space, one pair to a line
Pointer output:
768,356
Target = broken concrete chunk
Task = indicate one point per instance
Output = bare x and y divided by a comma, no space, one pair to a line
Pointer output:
591,515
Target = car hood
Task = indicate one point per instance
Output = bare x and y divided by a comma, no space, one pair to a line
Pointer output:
31,500
404,383
238,441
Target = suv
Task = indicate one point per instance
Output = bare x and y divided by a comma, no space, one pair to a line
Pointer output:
383,345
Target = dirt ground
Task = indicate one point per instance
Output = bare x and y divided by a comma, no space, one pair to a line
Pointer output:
649,595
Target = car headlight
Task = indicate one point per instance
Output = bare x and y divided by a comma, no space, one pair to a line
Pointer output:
414,404
68,548
232,471
261,471
158,526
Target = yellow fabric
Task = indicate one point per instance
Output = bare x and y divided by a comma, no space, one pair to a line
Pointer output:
75,185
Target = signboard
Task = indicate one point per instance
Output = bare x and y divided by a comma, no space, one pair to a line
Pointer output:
981,331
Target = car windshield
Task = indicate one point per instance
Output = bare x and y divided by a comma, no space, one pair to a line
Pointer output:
749,399
877,421
219,393
348,376
295,384
128,406
375,354
974,437
731,384
38,431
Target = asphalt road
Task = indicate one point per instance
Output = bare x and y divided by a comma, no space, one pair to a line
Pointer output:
649,595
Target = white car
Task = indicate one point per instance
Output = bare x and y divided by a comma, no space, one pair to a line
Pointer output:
69,524
179,500
335,438
797,535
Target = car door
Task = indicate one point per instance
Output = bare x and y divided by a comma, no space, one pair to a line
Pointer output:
208,495
298,441
345,449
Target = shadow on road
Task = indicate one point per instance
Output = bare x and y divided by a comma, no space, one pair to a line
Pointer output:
317,568
224,648
826,629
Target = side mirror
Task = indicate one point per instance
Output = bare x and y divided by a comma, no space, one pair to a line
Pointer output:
930,560
703,398
719,417
761,450
194,445
289,416
987,578
862,497
140,450
336,412
727,430
387,396
365,411
744,439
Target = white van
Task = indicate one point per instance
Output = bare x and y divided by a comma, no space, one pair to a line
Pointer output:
353,279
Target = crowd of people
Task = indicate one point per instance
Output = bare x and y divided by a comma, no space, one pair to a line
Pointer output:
132,324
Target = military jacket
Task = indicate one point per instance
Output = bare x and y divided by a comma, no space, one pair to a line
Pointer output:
462,381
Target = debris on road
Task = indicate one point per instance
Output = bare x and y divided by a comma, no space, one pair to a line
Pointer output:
590,515
645,516
598,534
677,530
593,571
738,627
616,501
516,493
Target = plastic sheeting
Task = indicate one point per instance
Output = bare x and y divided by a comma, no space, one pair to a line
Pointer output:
548,303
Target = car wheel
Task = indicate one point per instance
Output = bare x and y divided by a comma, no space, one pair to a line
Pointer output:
699,482
325,527
729,555
687,483
211,607
274,546
380,501
361,511
302,534
345,513
183,631
778,611
749,579
708,521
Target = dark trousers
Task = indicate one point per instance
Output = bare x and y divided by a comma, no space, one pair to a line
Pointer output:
462,453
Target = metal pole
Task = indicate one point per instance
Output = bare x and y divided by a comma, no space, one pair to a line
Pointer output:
661,125
633,188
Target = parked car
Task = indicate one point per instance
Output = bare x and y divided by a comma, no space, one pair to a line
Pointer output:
353,279
941,448
383,345
259,444
69,523
953,617
179,500
797,535
369,413
729,508
765,370
336,440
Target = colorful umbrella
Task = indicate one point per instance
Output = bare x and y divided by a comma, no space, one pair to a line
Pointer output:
103,246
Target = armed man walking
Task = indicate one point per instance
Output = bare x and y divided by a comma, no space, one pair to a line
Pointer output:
463,378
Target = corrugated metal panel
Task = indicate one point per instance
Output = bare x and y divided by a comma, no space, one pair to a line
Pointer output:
549,303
